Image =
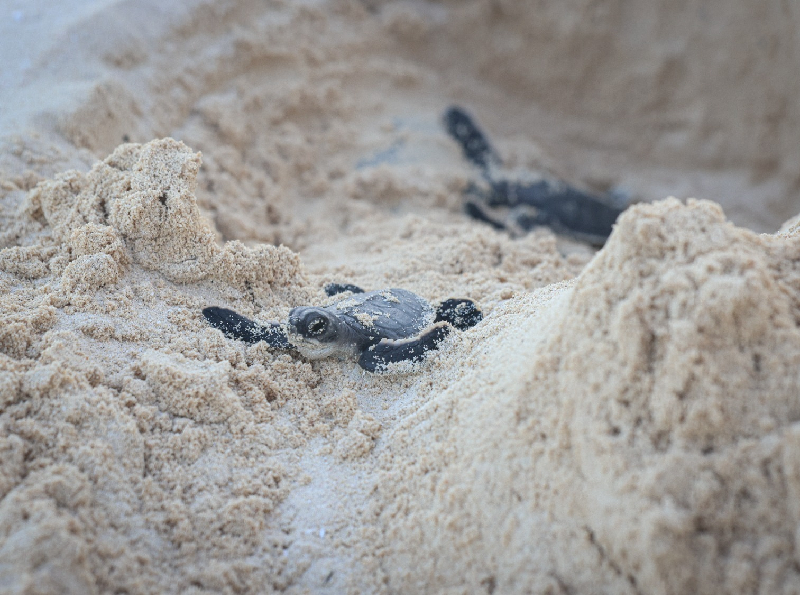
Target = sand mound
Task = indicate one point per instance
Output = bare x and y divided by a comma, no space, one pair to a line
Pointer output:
644,426
621,421
89,470
143,195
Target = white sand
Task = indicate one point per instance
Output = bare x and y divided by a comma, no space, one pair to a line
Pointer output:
621,421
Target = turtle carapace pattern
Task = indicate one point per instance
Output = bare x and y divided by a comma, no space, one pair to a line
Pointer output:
378,328
520,206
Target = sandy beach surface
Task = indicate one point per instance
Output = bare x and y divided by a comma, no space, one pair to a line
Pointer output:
622,420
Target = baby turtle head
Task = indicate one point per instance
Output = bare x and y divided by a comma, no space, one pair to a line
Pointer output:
314,323
318,332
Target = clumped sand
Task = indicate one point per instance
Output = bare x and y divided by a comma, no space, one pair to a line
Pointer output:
621,421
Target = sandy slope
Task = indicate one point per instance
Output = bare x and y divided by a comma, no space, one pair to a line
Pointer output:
622,421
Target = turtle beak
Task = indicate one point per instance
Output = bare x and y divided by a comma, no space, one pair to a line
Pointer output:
292,325
292,329
297,321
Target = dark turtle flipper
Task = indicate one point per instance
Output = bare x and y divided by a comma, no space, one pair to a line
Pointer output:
331,289
477,212
459,312
564,206
238,327
476,200
412,349
474,143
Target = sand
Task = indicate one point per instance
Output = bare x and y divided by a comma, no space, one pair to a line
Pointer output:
621,421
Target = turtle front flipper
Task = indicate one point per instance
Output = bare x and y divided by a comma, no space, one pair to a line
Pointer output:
235,326
475,145
412,349
331,289
459,312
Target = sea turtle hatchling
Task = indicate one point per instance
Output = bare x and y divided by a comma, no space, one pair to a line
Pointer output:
379,328
520,206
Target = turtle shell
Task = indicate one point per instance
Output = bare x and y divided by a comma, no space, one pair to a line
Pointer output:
392,313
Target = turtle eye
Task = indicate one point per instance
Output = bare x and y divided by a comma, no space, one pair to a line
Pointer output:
317,326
